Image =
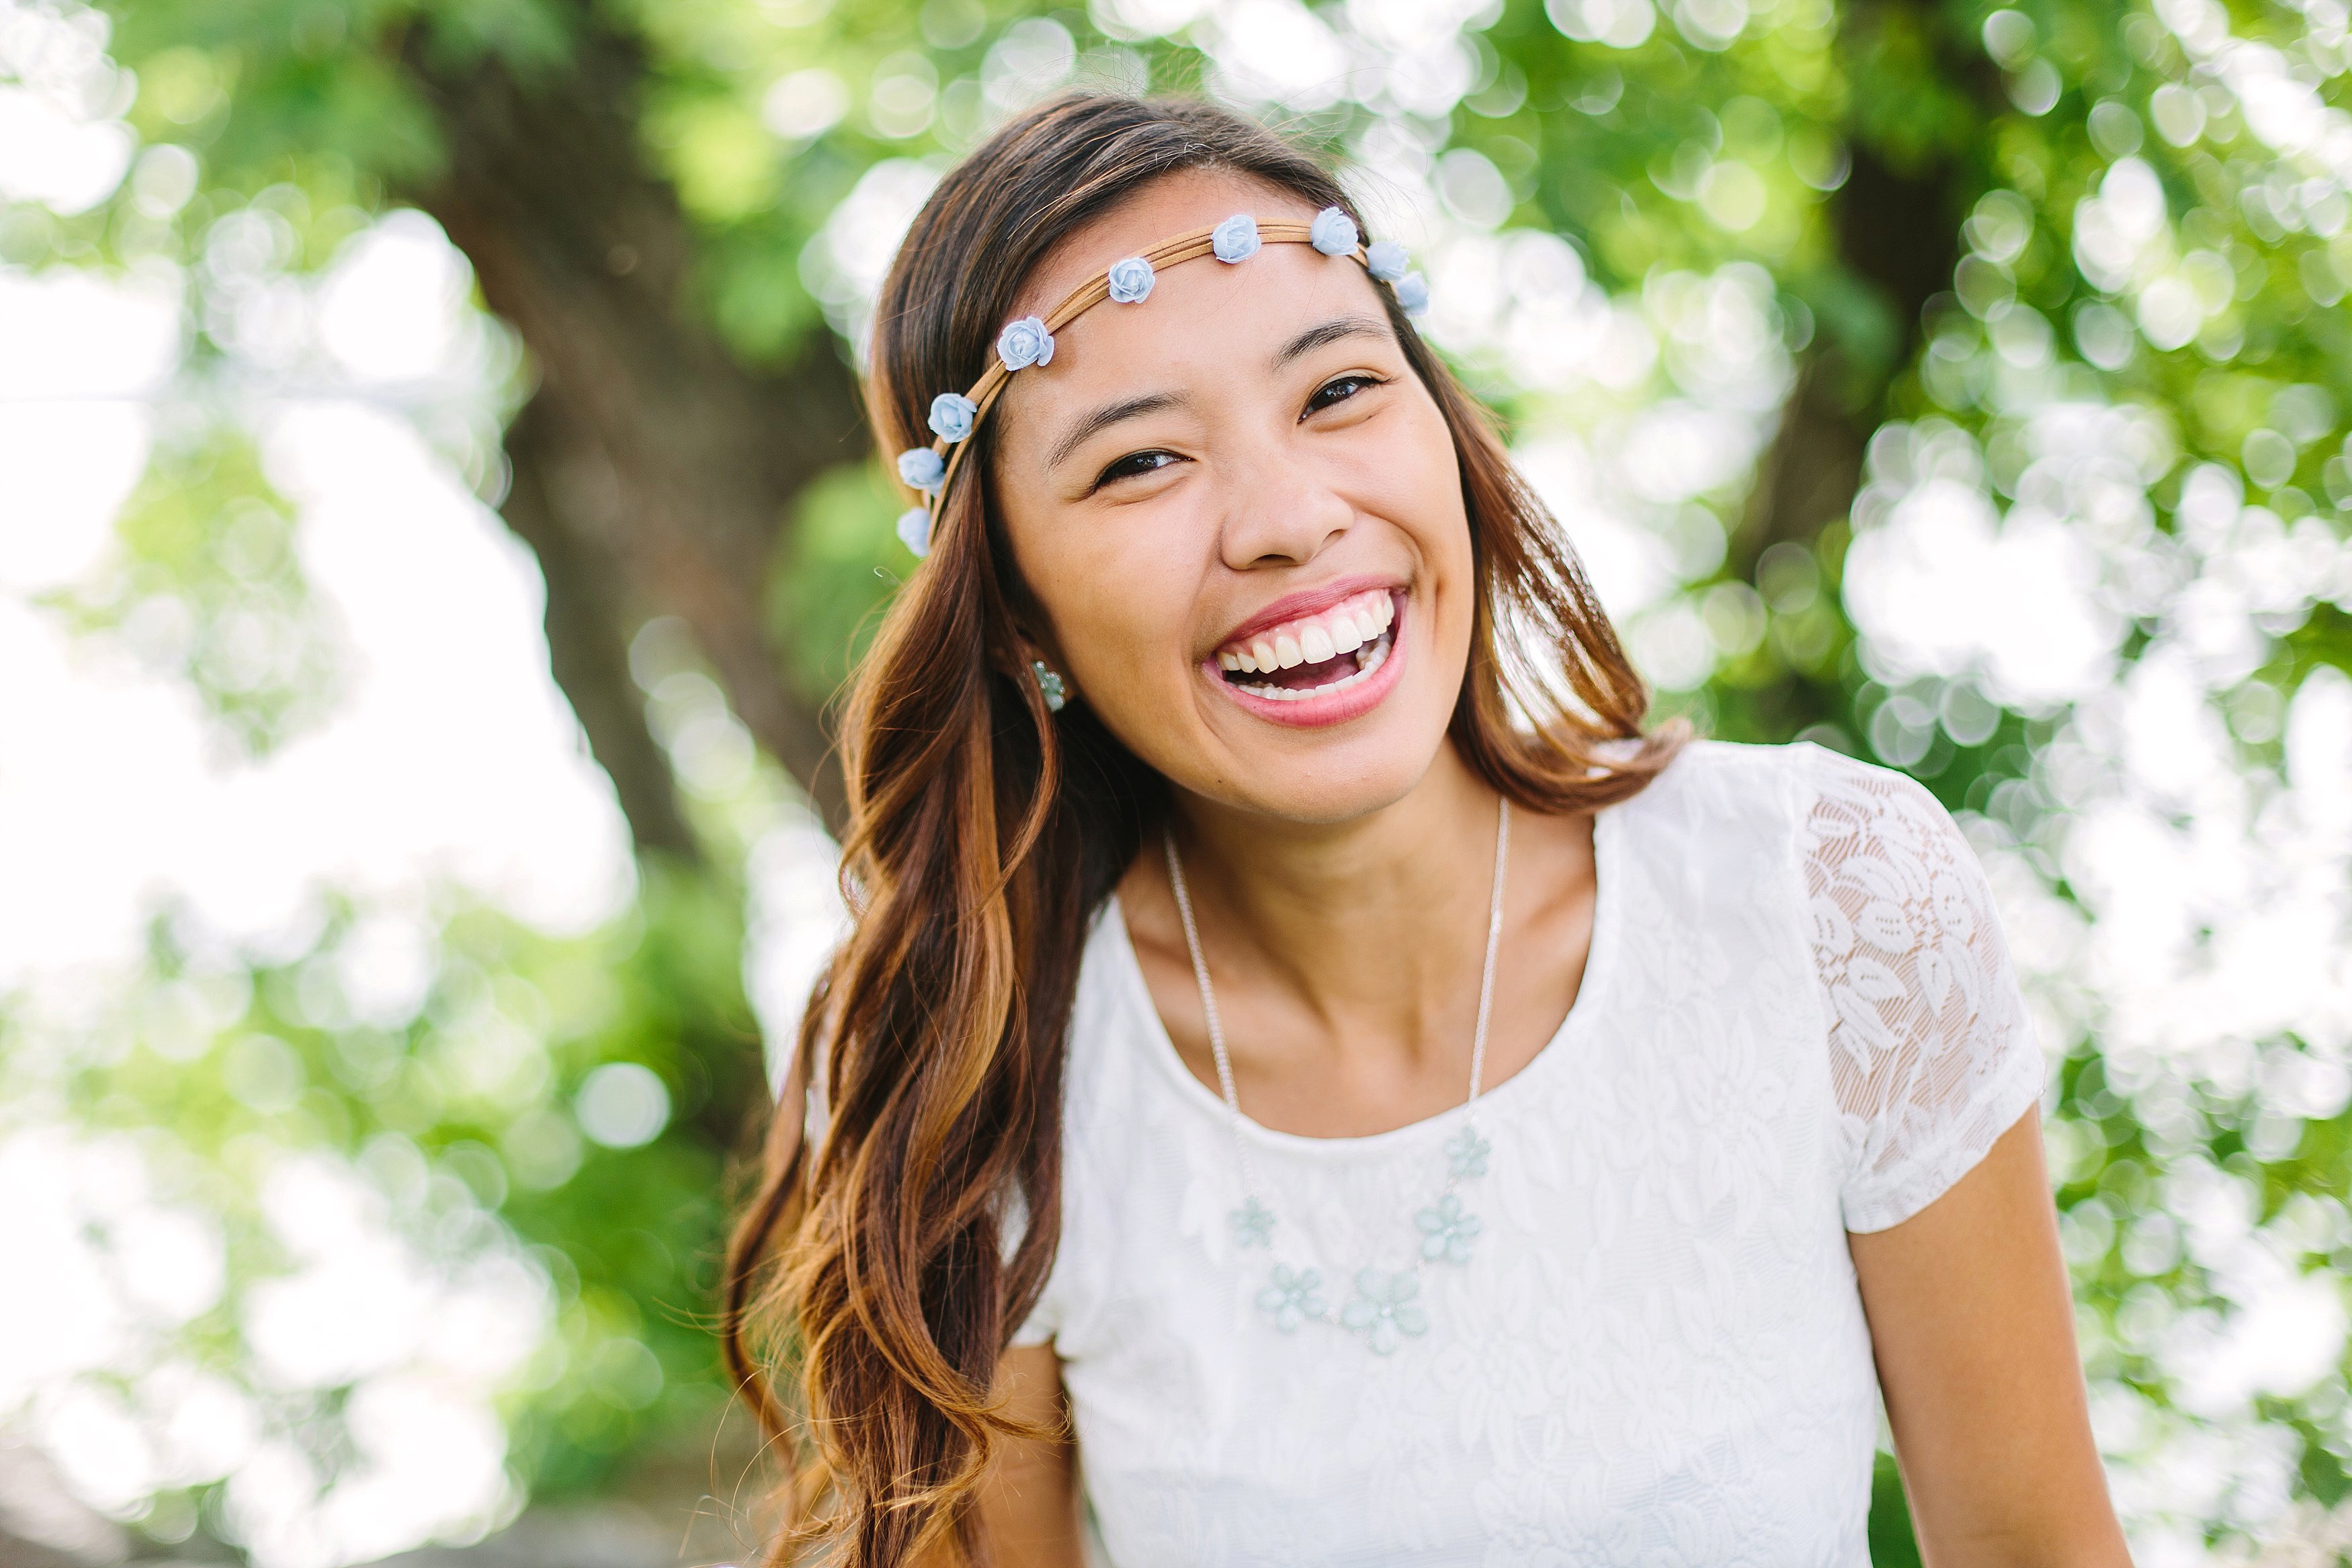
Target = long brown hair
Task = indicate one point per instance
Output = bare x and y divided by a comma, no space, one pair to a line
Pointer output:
870,1277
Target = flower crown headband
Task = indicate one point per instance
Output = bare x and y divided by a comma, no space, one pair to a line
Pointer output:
1030,340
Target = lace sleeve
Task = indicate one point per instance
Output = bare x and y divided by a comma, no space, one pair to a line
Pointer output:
1932,1056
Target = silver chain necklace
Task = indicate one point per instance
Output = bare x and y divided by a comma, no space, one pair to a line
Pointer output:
1383,1309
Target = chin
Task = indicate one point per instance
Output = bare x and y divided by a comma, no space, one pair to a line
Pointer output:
1331,768
1324,728
1312,794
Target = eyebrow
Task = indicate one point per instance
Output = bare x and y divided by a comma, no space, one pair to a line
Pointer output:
1101,419
1329,331
1109,415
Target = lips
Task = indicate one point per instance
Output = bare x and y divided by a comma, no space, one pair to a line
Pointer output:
1311,642
1321,668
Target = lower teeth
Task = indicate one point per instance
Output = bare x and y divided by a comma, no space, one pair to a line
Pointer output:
1370,657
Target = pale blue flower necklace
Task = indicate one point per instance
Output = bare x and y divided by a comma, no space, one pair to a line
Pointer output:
1384,1308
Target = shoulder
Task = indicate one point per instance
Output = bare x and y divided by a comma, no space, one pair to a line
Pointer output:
1726,827
1799,767
1807,789
1773,792
1854,811
1727,771
1109,1034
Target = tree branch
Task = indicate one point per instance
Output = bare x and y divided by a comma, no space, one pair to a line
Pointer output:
675,466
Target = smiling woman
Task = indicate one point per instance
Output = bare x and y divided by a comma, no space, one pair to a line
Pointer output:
1248,738
1326,385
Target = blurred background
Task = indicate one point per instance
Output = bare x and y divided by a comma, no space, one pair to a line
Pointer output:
434,515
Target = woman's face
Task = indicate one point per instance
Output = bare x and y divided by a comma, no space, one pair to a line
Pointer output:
1241,515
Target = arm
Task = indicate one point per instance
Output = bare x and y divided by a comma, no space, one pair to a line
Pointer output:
1029,1503
1974,1329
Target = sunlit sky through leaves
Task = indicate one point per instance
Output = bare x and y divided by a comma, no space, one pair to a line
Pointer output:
368,732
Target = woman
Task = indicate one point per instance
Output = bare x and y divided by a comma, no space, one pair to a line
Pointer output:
1304,1058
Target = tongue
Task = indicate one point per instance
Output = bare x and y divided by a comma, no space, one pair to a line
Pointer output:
1303,677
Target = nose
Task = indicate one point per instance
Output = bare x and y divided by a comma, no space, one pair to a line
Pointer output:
1282,510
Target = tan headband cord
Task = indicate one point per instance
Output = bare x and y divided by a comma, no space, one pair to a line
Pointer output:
938,462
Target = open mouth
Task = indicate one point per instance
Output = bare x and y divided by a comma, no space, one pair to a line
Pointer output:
1315,655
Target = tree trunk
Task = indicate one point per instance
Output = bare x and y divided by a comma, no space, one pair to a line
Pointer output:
654,472
585,614
1898,233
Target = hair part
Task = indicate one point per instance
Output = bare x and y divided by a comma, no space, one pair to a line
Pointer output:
879,1274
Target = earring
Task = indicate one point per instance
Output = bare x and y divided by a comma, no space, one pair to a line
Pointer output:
1050,683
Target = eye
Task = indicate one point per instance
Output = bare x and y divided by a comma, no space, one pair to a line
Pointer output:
1339,388
1134,465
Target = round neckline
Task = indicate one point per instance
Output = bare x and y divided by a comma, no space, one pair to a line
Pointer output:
1599,969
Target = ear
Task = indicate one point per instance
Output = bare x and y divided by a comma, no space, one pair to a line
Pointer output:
1044,647
1041,663
1032,629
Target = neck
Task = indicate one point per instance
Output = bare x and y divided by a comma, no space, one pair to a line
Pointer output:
1373,922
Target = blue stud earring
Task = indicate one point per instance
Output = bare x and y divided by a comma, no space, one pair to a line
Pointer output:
1050,685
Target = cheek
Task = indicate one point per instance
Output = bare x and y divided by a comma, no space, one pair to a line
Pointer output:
1115,591
1420,480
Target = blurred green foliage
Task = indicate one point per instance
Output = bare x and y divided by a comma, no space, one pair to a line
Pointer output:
842,564
462,1111
1939,194
208,589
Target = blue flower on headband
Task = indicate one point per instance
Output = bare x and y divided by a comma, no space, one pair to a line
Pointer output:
1235,239
1413,293
915,529
922,468
1385,259
952,415
1130,280
1333,232
1024,343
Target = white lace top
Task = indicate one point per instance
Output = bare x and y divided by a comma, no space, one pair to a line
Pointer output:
1797,1020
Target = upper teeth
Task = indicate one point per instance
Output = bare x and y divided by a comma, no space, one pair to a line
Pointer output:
1342,629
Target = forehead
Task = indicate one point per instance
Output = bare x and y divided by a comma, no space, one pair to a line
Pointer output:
1202,316
1173,204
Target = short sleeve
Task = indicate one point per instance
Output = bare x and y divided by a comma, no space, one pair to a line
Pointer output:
1045,1319
1039,1327
1932,1053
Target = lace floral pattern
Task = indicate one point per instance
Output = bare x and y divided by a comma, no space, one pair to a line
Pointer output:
1797,1020
1922,1002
